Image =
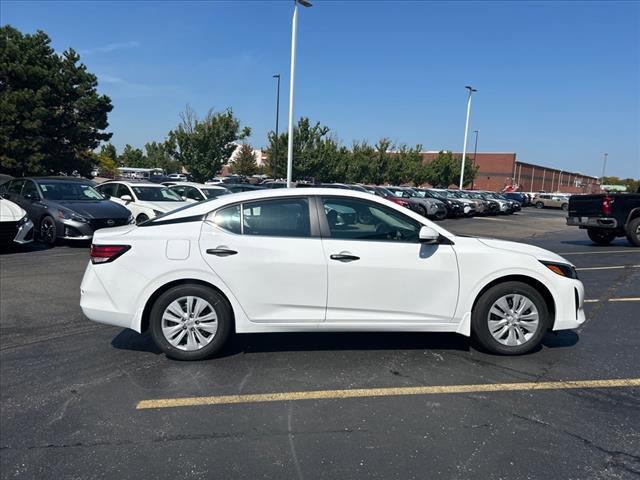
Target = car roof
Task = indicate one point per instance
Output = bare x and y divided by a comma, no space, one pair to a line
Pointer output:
58,179
195,184
135,184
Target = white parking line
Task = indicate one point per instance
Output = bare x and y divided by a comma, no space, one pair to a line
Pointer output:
625,299
598,252
607,268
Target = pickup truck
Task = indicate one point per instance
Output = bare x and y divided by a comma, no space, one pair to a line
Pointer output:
607,216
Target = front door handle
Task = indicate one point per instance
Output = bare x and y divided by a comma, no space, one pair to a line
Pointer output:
344,257
221,252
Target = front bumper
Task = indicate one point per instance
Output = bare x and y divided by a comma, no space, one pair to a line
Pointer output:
24,234
586,222
569,306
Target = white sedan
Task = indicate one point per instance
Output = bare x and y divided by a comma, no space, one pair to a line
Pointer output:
144,200
285,260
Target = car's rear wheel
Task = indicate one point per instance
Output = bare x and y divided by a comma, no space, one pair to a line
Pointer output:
141,218
48,232
539,204
633,232
601,236
510,318
190,322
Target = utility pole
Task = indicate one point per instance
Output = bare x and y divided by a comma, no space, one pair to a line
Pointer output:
604,166
475,152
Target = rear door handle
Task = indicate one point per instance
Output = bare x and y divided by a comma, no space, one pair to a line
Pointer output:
221,252
344,257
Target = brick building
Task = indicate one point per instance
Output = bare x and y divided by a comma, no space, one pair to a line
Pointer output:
501,170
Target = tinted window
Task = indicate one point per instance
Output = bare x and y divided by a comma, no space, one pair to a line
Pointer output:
156,194
69,191
193,194
108,189
30,190
122,190
214,192
288,217
229,219
352,219
16,186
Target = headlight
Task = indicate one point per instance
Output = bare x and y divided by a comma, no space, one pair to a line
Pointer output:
158,212
131,220
449,202
561,269
72,216
23,220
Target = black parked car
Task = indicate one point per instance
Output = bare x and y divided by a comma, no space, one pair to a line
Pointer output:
65,207
241,187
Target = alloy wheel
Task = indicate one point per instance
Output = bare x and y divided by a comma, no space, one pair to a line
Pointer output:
189,323
47,231
513,319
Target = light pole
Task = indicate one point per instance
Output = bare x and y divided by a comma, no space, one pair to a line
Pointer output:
294,29
475,152
466,131
275,145
604,166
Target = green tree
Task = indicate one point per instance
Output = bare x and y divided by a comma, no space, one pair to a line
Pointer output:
204,146
133,157
108,160
245,162
158,155
52,115
444,170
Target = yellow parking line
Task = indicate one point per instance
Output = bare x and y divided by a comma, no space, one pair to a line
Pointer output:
383,392
583,269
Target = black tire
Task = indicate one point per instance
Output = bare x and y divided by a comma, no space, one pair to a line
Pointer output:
565,206
441,214
421,210
48,232
539,205
633,231
601,236
480,318
216,300
141,218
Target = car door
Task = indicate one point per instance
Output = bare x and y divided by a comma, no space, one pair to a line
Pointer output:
192,193
31,201
269,254
378,271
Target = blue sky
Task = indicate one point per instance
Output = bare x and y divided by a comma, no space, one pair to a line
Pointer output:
557,82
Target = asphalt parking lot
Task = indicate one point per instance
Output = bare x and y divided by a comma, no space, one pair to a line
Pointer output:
81,400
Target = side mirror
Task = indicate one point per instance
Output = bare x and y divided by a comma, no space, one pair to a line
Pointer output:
126,198
428,235
31,197
184,199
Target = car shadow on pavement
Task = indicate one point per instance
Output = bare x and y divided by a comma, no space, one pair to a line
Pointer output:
332,341
619,242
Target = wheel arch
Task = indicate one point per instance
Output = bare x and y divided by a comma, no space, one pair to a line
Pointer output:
538,285
146,312
633,214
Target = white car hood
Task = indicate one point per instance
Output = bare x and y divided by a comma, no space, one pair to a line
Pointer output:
164,206
10,212
537,252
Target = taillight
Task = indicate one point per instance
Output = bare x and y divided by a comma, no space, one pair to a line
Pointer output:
401,202
607,203
106,253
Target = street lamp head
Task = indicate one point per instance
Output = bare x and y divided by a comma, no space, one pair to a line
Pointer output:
304,3
471,89
277,75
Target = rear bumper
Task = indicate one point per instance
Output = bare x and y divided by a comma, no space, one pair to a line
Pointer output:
97,304
598,222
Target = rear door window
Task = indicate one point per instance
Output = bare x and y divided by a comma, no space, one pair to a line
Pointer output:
286,217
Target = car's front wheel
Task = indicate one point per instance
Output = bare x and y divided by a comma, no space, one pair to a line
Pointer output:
510,318
141,218
539,204
48,232
190,322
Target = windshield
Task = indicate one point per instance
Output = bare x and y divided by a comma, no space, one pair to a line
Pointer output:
69,191
156,194
420,193
214,192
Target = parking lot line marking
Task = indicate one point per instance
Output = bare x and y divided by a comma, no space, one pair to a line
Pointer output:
622,299
383,392
583,269
597,252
